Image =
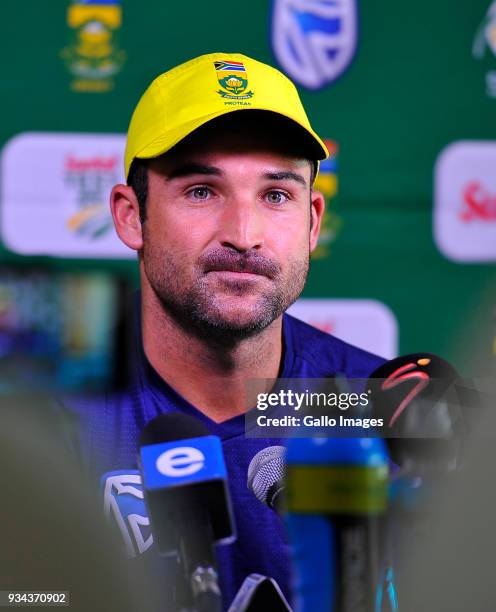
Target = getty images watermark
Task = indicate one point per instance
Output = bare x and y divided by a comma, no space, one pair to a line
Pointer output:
301,407
358,408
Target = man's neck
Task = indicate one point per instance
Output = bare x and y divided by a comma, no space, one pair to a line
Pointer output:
211,377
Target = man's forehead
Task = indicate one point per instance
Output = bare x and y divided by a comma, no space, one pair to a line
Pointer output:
224,151
257,136
216,160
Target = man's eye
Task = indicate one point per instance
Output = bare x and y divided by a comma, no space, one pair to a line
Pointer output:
276,197
199,193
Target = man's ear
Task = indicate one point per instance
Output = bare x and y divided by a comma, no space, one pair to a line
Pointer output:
125,213
317,212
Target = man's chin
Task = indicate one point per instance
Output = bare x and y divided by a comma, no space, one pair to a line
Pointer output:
241,322
249,311
233,326
224,320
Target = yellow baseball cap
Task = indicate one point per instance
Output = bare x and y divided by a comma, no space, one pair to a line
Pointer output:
190,95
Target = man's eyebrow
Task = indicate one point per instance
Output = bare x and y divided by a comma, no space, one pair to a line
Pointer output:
191,168
286,175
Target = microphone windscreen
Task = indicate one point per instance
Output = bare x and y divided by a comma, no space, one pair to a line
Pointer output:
418,397
398,384
170,427
266,474
184,478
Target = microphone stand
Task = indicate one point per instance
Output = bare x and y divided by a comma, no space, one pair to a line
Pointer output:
197,584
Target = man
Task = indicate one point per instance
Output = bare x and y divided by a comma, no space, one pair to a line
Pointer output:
219,206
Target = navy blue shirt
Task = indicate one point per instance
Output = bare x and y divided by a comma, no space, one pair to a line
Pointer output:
112,423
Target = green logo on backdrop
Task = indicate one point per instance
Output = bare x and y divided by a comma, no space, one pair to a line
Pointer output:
93,56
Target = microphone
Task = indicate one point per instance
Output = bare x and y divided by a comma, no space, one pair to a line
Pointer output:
266,474
257,593
424,404
337,494
422,401
336,497
185,490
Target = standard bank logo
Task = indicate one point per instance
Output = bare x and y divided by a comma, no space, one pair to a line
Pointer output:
314,40
123,503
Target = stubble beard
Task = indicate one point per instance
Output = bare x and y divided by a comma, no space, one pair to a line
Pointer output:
200,312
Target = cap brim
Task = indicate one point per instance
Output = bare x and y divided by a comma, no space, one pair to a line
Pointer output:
314,147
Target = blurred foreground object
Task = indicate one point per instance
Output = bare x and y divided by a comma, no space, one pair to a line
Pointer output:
52,530
450,564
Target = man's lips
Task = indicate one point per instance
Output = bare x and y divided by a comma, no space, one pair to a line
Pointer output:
239,270
236,276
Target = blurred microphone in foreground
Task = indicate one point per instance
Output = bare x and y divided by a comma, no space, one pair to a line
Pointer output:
336,494
451,566
426,409
345,545
53,534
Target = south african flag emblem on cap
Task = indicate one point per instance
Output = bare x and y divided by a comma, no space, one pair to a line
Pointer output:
233,79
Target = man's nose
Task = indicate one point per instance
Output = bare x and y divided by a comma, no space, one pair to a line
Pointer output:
241,224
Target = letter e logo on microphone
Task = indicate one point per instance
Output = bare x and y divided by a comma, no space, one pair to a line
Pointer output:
180,461
171,464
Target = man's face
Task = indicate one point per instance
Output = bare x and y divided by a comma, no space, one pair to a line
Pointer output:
227,237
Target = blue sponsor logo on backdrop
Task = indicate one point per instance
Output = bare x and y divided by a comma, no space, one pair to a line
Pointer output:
314,41
484,46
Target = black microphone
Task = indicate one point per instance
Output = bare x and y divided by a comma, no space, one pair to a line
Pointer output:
186,493
258,593
422,401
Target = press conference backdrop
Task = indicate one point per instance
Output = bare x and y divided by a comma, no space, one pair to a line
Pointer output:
405,95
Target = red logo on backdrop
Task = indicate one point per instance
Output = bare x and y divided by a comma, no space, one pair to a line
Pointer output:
75,164
91,178
326,326
477,203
